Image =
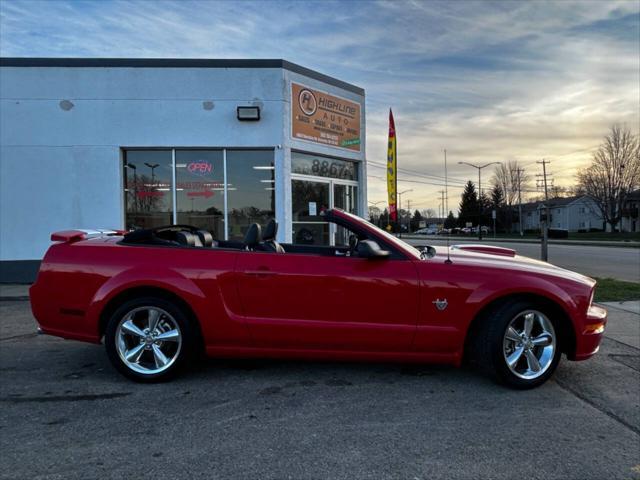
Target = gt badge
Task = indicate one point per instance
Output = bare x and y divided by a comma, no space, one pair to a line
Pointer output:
440,304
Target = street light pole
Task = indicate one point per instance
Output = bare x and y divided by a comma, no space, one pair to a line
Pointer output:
152,166
400,208
479,167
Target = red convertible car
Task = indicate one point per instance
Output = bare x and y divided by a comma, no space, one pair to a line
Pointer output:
159,297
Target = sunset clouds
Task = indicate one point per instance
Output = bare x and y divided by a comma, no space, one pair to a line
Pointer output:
488,81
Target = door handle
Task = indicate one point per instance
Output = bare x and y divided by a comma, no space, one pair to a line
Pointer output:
261,272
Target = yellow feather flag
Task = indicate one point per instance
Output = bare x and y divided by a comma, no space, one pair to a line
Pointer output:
392,177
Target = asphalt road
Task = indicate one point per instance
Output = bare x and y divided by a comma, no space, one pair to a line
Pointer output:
614,262
65,413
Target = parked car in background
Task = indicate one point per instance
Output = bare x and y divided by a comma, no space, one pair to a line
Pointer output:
158,298
427,231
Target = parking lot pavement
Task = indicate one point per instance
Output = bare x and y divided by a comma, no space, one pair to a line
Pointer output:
66,414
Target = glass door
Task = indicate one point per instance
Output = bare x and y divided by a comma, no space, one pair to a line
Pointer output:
309,198
345,197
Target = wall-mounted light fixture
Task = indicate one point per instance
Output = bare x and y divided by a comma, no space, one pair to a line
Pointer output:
249,114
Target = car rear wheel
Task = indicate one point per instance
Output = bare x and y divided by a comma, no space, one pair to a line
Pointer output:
518,342
149,339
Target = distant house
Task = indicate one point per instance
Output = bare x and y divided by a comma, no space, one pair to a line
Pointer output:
630,221
575,214
433,222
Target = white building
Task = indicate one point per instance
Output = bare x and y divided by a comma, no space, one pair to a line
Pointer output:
124,143
574,214
630,221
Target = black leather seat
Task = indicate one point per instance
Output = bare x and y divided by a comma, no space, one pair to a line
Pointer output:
206,239
253,237
269,238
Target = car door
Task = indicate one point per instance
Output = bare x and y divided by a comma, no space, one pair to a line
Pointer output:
328,301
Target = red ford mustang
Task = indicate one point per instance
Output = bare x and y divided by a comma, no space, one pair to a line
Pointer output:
159,297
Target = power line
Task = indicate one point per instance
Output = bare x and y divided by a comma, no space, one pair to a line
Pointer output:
417,181
413,172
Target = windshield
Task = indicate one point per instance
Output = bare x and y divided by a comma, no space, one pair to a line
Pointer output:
392,239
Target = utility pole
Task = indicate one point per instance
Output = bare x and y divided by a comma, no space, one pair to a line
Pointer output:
399,210
409,210
445,204
545,225
444,193
520,172
441,194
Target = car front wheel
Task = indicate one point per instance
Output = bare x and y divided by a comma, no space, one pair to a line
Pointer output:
519,344
148,339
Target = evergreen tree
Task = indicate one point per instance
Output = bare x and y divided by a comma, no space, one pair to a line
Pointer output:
450,221
497,197
498,203
415,220
383,220
468,205
486,207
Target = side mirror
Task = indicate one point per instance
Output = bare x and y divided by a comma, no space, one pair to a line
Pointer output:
370,249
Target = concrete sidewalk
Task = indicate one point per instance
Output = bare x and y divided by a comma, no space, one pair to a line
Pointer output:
12,291
624,322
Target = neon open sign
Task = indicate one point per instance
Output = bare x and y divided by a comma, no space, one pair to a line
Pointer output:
200,168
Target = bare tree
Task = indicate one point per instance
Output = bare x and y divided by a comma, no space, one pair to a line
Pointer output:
556,191
374,213
511,178
613,174
428,213
507,178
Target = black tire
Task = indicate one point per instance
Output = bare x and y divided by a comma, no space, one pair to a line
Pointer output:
186,350
487,350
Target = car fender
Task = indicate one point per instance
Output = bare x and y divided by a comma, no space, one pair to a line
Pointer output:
157,277
487,293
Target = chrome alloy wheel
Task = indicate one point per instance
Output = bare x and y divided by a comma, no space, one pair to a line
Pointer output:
148,340
529,344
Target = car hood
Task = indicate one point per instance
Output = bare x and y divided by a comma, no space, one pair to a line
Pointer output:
507,262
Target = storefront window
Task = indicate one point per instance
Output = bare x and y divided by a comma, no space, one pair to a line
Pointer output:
306,164
251,199
199,189
147,188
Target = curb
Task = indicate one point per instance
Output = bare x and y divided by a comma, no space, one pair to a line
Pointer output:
14,299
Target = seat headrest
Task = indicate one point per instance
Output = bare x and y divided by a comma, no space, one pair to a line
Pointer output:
253,236
205,237
270,231
185,238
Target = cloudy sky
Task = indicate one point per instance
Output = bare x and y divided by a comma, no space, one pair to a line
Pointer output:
488,81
